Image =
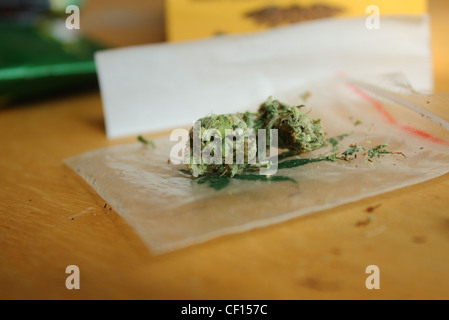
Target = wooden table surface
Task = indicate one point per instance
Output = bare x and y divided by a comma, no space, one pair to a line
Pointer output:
320,256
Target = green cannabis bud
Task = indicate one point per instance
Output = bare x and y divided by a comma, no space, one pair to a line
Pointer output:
218,158
297,131
217,139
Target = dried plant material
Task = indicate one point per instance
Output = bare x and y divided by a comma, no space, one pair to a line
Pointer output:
351,151
146,141
274,15
372,208
220,136
334,141
364,222
380,150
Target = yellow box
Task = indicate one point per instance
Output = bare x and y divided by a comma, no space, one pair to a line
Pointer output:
193,19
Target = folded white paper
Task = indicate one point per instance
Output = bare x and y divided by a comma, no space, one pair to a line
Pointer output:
161,86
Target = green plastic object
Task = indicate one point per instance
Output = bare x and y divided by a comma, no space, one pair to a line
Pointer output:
42,58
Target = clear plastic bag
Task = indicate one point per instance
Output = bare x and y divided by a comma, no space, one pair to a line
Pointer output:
170,210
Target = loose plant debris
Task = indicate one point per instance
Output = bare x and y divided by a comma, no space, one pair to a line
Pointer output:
374,152
351,151
364,222
334,141
372,208
141,139
380,150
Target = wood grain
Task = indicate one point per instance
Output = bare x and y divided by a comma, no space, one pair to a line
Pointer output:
50,218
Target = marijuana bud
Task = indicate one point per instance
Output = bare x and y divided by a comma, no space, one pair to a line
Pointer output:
217,139
297,131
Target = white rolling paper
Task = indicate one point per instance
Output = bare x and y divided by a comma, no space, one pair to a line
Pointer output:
161,86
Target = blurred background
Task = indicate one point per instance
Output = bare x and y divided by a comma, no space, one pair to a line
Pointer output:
41,58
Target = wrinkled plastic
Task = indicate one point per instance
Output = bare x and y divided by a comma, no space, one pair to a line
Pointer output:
170,210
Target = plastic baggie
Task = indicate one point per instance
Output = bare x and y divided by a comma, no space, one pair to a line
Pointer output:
169,209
